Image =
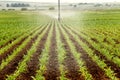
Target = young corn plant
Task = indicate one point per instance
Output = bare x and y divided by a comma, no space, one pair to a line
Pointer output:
43,59
15,52
77,55
95,58
22,65
61,55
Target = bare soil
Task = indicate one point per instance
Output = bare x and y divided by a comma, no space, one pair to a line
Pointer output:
96,72
33,64
70,63
52,72
11,49
109,63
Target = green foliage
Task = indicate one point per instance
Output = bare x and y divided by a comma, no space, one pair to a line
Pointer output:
15,23
99,28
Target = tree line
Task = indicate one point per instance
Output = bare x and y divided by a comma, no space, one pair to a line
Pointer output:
17,5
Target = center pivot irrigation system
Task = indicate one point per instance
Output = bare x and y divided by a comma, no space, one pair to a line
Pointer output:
58,10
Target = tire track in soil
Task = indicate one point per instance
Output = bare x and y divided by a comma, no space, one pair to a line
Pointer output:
109,63
52,72
70,63
12,65
96,72
33,64
10,50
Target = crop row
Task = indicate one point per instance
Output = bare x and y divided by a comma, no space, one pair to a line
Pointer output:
54,51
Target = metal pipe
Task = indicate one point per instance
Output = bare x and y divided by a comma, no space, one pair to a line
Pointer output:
59,10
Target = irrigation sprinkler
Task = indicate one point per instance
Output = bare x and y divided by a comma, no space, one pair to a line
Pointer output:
58,10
